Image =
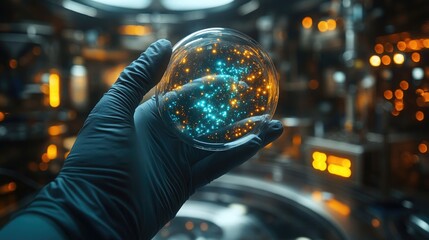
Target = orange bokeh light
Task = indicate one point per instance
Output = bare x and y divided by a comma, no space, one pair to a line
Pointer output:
399,94
43,166
404,85
332,24
386,60
388,47
423,148
13,63
313,84
420,116
413,45
388,94
189,225
322,26
399,106
52,151
378,48
425,43
54,90
375,222
11,186
135,30
401,45
307,22
415,56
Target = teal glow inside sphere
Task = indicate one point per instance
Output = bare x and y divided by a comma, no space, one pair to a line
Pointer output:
219,90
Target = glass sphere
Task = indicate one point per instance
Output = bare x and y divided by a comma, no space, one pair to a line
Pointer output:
219,90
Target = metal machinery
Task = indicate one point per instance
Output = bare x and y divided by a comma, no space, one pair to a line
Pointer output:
32,114
352,163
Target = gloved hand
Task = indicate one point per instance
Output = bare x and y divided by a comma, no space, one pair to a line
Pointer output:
127,175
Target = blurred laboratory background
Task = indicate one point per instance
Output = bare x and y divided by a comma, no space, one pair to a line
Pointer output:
352,163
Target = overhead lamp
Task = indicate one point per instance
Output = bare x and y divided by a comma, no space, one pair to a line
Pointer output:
131,4
80,8
249,7
188,5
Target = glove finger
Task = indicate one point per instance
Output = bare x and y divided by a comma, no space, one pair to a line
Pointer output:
136,79
219,163
271,132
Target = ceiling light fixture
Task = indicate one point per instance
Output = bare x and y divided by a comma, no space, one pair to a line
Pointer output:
130,4
80,8
188,5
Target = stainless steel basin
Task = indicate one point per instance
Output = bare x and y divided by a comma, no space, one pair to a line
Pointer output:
240,207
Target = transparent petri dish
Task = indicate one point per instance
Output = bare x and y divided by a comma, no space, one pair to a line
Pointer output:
220,89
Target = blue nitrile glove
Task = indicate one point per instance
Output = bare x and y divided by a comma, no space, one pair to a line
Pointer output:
127,175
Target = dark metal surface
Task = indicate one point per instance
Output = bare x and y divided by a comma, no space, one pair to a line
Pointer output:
240,207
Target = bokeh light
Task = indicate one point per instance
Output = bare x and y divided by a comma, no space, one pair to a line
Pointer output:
322,26
378,48
398,58
219,89
399,94
375,61
307,22
385,60
423,147
413,45
388,47
420,116
401,45
332,24
404,85
415,56
425,43
417,73
388,94
313,84
13,63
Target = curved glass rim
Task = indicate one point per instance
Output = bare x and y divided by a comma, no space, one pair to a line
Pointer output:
240,141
